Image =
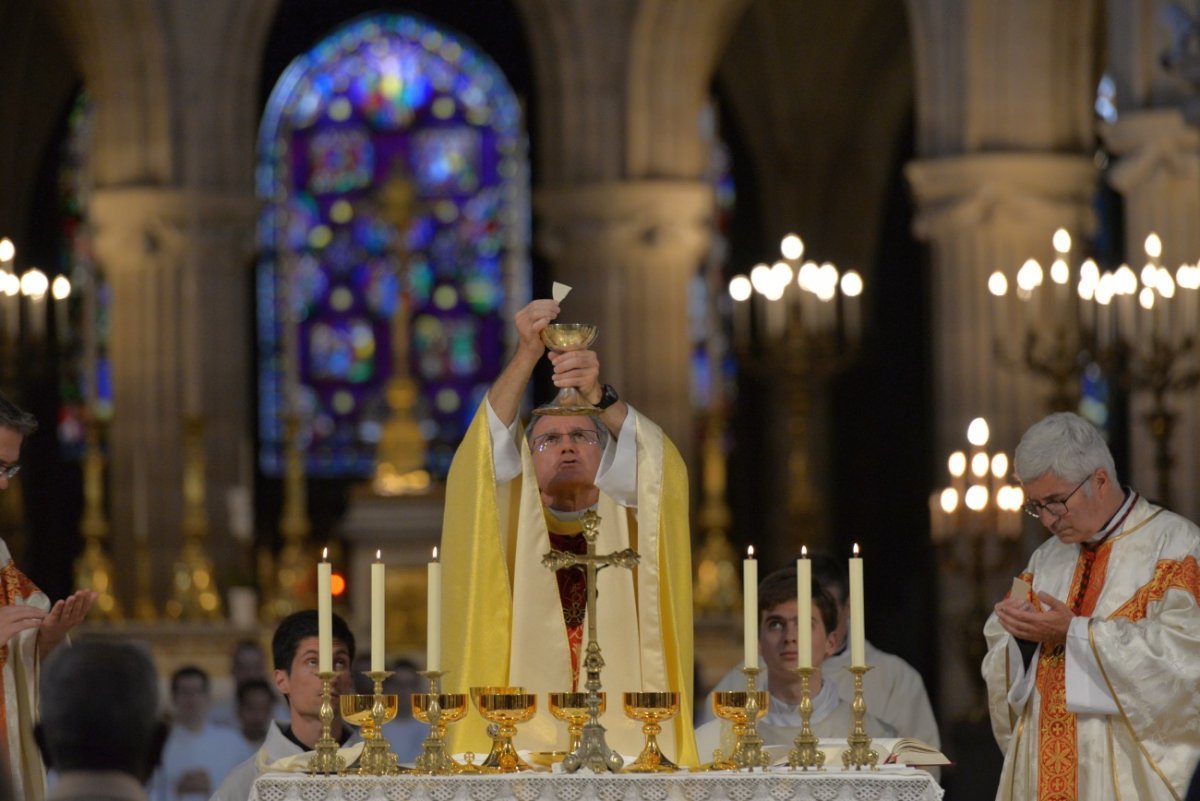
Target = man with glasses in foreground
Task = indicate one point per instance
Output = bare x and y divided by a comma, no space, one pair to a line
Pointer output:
1093,673
511,499
30,628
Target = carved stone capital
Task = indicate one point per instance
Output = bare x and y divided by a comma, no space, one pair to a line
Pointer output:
1022,189
1151,144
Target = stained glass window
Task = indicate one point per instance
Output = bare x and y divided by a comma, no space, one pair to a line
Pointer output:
393,239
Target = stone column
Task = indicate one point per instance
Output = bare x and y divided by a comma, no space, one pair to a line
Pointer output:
1157,172
629,249
177,262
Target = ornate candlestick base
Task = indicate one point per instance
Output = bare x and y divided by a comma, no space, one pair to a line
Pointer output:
805,754
377,757
435,759
326,759
859,753
748,753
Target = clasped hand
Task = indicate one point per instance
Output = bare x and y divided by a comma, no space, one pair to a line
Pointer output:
1048,626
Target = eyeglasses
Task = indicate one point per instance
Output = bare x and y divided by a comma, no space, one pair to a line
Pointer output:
9,470
579,436
1056,508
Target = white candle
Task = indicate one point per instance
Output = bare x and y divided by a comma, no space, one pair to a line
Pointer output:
433,620
857,636
324,614
378,649
750,608
803,610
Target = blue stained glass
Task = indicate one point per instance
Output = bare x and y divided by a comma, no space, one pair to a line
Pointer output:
389,163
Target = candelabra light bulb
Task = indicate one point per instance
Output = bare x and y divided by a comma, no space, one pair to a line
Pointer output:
1146,298
740,288
852,284
8,251
1062,241
957,464
1166,284
760,278
9,284
808,275
1088,271
1105,289
1029,277
979,465
1060,273
976,497
34,283
998,284
1000,465
1126,280
949,500
1149,274
781,273
61,287
1153,245
978,432
792,247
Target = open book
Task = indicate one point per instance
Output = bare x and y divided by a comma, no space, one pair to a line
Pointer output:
892,751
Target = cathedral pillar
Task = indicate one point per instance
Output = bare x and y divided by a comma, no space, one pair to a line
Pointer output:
1156,170
178,263
629,249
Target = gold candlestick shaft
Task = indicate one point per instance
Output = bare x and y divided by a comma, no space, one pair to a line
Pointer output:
748,753
326,759
859,753
377,757
806,753
435,759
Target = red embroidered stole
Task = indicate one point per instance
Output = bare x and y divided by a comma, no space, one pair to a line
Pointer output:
14,586
572,587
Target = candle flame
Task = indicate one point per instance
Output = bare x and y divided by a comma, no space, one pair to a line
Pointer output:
378,554
803,551
750,552
435,553
856,549
324,554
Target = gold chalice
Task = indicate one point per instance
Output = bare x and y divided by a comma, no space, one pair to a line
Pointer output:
572,709
731,705
563,337
652,708
358,710
506,710
453,705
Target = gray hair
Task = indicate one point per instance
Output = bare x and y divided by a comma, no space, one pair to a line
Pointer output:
12,416
601,430
92,692
1066,445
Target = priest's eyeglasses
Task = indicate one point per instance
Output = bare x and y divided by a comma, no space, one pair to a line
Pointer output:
579,436
9,470
1057,508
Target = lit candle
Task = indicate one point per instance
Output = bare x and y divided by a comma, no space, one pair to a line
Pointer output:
804,610
750,608
377,613
324,615
433,619
857,637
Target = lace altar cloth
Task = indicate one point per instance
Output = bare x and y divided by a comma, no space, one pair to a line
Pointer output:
885,784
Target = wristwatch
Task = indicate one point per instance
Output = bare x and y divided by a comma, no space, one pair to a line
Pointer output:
609,397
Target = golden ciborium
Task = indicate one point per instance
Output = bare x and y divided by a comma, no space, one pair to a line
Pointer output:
572,709
505,707
360,710
652,708
563,337
731,705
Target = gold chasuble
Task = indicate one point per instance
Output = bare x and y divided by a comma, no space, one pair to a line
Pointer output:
22,760
1133,729
502,612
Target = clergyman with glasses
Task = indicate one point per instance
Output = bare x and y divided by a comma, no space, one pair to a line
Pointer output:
1093,674
512,496
30,628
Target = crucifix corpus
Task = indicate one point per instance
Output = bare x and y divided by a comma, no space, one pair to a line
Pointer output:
593,751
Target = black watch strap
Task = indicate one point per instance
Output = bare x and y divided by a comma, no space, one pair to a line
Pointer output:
609,397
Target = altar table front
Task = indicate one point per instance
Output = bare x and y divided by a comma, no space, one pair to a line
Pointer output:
885,784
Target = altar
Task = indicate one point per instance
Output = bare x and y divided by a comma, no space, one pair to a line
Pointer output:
887,783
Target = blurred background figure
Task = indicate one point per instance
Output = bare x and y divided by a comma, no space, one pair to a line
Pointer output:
405,733
255,706
248,661
198,755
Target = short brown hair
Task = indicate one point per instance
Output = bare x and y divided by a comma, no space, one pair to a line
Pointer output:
779,587
14,417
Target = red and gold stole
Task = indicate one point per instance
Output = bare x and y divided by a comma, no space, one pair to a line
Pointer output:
14,586
567,535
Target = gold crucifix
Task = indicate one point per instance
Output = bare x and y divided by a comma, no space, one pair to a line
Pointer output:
593,751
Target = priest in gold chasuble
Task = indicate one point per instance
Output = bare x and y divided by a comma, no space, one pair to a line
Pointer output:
511,498
1094,675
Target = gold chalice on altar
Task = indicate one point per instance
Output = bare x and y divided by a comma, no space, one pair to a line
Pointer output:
359,710
572,709
453,706
731,705
505,707
564,337
652,708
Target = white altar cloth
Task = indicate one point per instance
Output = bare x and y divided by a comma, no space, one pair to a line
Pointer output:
889,783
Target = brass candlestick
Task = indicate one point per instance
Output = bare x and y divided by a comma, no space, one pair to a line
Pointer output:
377,757
748,753
859,753
326,759
805,754
435,759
